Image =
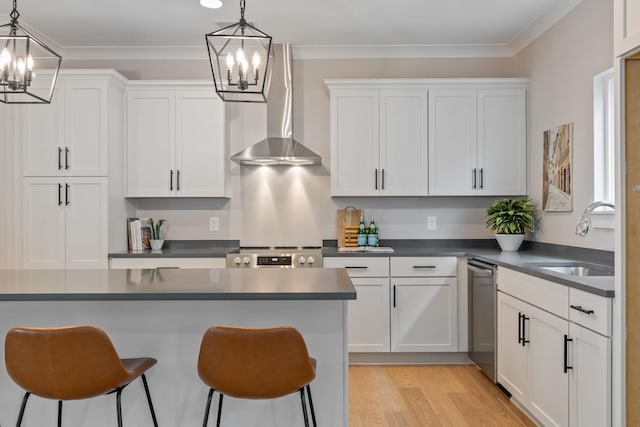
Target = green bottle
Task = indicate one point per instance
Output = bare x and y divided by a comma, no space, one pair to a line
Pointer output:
362,232
372,237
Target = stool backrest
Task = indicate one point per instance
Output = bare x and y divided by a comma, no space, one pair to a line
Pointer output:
254,363
75,362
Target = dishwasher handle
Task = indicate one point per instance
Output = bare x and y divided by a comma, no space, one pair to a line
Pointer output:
481,267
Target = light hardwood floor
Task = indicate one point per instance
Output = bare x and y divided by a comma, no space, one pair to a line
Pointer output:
428,395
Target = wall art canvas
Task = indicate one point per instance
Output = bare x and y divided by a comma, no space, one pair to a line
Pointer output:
557,169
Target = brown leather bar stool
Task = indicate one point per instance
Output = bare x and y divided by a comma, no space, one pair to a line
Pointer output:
70,363
255,364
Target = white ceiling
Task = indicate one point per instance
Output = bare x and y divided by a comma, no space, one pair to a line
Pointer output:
316,28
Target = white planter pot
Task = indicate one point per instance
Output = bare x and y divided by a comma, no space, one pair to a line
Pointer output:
156,244
509,242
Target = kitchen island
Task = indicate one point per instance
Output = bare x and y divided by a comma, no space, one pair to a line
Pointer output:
163,313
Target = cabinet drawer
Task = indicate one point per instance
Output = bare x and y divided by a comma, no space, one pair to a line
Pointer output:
424,266
591,311
360,266
547,295
124,263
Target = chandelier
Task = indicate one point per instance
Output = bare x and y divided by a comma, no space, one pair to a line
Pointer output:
20,55
230,50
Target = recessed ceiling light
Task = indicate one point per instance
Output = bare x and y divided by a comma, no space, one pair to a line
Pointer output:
211,4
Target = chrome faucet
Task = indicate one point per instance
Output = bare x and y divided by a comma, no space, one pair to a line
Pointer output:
585,220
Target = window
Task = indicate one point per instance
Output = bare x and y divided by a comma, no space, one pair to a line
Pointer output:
603,138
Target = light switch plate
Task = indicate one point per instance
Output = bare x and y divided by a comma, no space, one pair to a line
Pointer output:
214,223
432,223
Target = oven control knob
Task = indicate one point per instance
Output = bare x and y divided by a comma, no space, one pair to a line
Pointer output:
237,260
311,260
302,260
246,260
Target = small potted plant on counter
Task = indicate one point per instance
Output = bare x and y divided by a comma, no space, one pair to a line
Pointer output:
509,219
156,242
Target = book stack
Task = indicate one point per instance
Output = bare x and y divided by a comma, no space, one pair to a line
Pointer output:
138,234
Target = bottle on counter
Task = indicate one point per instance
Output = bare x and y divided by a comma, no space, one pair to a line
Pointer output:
362,232
372,236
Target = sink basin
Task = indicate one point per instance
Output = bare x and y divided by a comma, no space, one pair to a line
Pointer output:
576,269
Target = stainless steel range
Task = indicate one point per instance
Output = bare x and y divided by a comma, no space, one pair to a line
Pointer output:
276,257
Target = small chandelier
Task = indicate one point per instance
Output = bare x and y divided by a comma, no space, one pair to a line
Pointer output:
230,50
20,55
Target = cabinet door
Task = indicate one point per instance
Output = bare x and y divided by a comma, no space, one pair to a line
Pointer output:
452,142
512,355
589,378
626,26
424,314
85,128
200,154
43,136
369,315
43,221
355,169
150,143
86,234
403,143
548,383
502,142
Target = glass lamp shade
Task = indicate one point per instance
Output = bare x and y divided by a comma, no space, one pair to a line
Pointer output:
241,61
28,68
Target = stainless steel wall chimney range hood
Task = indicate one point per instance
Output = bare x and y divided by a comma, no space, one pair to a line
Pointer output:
279,148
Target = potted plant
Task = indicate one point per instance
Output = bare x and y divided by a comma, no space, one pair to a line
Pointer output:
509,219
156,242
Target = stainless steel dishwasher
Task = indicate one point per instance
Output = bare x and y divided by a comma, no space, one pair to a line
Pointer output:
482,316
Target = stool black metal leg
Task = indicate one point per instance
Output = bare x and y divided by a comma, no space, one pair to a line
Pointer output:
207,408
119,406
313,413
22,408
59,413
219,410
146,389
304,408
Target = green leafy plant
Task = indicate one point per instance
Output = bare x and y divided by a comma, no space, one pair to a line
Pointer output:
155,228
511,216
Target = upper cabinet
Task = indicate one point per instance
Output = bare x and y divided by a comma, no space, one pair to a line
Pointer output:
477,142
419,137
378,142
626,26
175,141
71,135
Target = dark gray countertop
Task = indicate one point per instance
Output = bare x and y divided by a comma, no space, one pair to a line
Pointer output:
185,249
176,284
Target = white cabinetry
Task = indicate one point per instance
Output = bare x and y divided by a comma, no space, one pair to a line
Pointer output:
175,141
477,141
158,262
559,370
417,314
424,315
626,26
65,222
378,141
71,199
68,137
369,327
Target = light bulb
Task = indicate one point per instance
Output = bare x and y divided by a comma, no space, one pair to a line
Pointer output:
256,60
6,56
240,55
230,61
245,67
30,62
21,65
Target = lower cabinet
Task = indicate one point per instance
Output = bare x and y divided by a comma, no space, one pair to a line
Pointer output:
558,370
403,304
157,262
64,222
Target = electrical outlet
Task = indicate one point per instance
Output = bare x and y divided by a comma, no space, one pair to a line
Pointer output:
432,223
214,223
